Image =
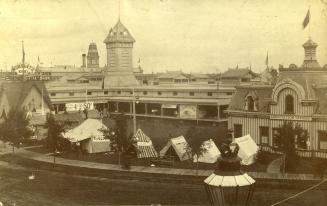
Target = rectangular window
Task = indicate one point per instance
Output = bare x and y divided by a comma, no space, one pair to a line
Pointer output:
118,92
105,92
159,93
175,93
71,93
145,93
209,94
191,93
89,93
264,135
238,130
52,94
229,93
322,138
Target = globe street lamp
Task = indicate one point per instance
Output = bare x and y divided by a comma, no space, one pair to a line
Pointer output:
228,185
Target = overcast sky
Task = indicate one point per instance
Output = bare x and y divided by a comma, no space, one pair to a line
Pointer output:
192,35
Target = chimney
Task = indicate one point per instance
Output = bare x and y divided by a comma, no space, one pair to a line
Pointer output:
83,60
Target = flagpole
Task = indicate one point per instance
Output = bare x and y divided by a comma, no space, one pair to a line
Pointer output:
309,23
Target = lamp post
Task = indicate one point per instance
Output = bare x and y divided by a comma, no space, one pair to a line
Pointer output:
228,185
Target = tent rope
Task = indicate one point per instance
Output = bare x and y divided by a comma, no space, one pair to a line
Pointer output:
300,193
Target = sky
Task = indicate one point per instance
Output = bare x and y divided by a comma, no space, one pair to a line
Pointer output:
189,35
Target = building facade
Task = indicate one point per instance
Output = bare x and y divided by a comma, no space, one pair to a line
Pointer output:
299,96
176,95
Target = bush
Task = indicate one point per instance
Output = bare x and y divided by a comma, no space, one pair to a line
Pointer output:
320,168
263,157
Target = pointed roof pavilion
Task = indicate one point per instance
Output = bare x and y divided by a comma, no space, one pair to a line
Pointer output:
119,33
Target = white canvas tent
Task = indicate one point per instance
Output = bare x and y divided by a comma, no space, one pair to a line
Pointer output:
248,149
180,146
144,145
211,153
88,134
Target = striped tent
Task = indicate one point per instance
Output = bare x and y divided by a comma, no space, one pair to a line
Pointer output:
145,148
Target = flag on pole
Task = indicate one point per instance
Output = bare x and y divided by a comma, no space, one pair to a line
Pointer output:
306,19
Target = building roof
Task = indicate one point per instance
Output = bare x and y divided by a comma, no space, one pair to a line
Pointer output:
310,43
16,92
262,92
173,75
199,76
93,51
120,80
238,73
119,33
307,79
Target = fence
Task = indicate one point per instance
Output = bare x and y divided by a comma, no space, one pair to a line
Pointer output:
299,152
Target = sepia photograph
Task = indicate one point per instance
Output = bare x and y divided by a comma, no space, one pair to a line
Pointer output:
163,102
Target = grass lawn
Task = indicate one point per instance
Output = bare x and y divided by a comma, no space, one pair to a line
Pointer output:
308,165
113,159
304,165
261,166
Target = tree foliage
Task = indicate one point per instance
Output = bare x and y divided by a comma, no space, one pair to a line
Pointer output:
16,127
121,132
55,129
120,142
195,138
285,140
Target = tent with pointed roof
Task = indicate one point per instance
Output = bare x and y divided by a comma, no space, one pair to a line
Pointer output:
180,146
144,145
89,136
211,153
248,149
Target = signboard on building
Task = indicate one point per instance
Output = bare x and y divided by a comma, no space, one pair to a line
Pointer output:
291,117
169,106
187,111
80,106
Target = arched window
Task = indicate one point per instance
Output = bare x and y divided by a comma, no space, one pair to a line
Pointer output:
250,103
289,104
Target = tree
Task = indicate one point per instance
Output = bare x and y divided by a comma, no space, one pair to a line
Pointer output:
195,138
120,142
55,129
285,142
16,127
302,137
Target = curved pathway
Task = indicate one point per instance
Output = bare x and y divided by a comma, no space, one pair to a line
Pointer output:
274,166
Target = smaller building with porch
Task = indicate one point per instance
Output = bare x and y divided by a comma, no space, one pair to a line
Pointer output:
299,96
